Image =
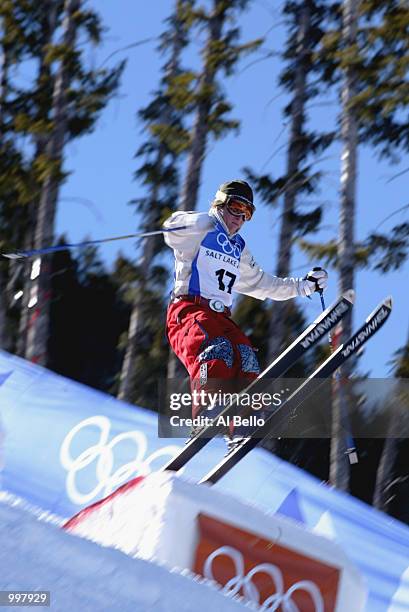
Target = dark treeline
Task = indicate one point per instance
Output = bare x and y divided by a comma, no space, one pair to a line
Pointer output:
105,327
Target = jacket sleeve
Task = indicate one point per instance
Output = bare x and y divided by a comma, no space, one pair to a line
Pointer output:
193,225
259,284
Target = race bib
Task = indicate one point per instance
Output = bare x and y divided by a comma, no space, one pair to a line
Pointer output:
216,267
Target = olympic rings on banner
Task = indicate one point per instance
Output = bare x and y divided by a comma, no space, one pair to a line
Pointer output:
250,591
103,453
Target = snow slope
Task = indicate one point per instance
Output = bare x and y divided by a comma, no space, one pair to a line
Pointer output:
85,577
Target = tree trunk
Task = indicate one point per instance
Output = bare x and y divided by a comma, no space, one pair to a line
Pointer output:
279,311
385,473
4,335
38,327
339,466
136,324
25,304
44,74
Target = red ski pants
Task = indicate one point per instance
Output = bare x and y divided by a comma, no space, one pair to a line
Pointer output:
212,348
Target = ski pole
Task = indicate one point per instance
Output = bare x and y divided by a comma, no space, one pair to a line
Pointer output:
351,446
66,247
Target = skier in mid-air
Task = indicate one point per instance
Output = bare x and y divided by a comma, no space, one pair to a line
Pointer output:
212,262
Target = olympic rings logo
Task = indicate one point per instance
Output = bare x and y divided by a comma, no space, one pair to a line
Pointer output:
103,453
250,591
228,247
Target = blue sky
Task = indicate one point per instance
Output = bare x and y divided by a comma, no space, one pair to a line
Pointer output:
93,201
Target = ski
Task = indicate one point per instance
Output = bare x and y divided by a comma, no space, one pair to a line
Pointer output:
287,409
307,339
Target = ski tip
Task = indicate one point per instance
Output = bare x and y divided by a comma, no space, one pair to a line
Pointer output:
388,302
349,295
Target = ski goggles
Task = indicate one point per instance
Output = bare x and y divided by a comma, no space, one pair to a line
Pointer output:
238,209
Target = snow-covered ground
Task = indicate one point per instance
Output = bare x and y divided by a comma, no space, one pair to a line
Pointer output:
85,577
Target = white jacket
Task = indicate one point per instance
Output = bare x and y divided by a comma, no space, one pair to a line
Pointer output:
210,263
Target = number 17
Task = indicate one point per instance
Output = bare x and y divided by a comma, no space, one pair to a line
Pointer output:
220,275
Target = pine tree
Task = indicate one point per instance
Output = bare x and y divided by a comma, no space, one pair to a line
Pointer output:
78,97
304,24
373,63
149,365
5,61
17,31
159,173
339,468
32,110
379,55
31,35
384,106
220,55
